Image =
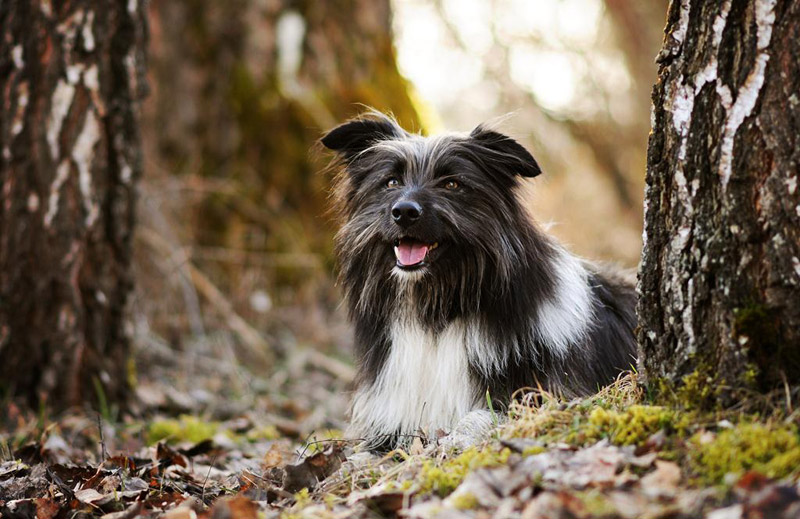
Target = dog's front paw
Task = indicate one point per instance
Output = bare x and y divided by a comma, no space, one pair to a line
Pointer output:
474,428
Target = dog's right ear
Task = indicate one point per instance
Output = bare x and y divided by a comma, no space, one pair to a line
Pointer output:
505,152
353,137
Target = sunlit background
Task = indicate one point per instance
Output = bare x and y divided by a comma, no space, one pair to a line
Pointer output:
557,74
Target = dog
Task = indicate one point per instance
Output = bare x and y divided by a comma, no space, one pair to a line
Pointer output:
457,298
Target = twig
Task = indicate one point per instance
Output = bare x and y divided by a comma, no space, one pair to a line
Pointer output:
208,474
333,366
103,451
249,336
262,259
787,390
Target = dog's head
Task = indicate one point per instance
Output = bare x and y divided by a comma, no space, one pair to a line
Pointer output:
428,208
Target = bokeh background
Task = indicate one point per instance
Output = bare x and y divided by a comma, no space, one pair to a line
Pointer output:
236,305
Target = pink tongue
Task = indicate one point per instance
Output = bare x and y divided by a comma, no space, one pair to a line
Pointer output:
410,253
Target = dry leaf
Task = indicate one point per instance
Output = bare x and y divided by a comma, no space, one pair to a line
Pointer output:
313,469
663,481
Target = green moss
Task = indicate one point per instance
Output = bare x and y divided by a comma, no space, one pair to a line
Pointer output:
442,478
597,504
186,428
465,501
699,389
302,498
631,426
533,450
751,376
268,432
773,450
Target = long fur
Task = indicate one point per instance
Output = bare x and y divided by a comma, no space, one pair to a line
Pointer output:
500,305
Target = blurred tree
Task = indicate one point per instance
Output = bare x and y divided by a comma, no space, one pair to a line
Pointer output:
720,275
71,77
243,89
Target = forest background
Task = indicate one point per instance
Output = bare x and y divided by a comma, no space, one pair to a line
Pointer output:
155,360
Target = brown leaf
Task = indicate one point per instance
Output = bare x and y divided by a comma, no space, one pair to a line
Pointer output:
554,505
89,496
313,469
273,457
416,447
167,456
119,462
237,507
129,513
203,447
751,481
664,480
654,443
46,508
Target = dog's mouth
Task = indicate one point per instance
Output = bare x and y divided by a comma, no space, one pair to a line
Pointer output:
411,254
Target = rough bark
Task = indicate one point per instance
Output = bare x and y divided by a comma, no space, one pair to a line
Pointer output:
720,274
242,91
70,79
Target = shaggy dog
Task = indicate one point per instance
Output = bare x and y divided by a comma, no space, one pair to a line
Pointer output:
452,290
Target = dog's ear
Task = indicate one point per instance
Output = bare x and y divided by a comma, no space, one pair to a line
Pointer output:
354,136
505,151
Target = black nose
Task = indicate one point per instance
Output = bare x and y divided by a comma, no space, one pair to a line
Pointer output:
406,212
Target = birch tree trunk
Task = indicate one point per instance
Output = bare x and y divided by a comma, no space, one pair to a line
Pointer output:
720,271
71,76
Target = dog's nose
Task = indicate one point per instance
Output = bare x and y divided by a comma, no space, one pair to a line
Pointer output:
406,212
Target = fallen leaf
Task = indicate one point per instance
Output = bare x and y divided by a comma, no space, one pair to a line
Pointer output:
273,457
731,512
180,512
237,507
416,447
313,469
167,456
47,508
554,505
129,513
593,466
663,481
90,496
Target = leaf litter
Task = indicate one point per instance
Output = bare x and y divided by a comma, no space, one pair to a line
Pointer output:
548,459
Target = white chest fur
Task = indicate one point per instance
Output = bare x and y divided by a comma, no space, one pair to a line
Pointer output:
425,383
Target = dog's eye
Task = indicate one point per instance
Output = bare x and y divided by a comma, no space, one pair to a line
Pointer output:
392,183
452,184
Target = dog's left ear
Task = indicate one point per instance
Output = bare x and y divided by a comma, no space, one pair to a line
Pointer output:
353,137
504,150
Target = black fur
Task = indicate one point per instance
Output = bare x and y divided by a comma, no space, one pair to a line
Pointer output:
492,264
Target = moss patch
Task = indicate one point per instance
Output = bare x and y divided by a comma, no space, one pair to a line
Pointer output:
267,432
631,426
465,501
442,478
773,450
616,413
186,428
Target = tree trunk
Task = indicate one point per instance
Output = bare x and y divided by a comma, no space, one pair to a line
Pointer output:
242,91
720,274
71,76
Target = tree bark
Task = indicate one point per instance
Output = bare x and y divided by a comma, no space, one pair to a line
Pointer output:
71,77
720,275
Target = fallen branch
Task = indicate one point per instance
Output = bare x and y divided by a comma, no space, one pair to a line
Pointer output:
253,341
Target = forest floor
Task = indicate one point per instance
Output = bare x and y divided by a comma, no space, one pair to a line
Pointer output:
224,442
